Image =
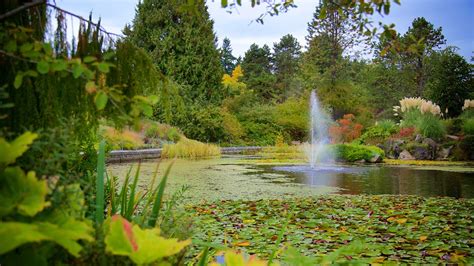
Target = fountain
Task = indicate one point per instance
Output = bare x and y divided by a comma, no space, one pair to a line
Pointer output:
317,150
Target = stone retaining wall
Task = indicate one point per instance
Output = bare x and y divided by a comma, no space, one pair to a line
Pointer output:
119,156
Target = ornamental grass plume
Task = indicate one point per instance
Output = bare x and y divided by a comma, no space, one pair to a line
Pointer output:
412,103
468,104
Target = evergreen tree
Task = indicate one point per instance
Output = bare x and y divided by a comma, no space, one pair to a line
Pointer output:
286,55
182,44
228,60
451,82
257,70
420,41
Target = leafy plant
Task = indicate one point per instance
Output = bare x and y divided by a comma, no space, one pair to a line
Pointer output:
142,246
24,197
468,126
354,152
345,130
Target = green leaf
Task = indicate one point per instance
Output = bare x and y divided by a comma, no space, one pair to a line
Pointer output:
18,80
77,70
142,246
101,100
31,73
48,50
223,3
42,67
15,234
59,65
147,109
89,59
10,151
103,67
26,47
11,46
23,193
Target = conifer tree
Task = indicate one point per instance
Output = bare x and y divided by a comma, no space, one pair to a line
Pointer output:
228,60
257,68
182,44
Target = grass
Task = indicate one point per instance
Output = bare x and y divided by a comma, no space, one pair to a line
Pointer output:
192,149
122,140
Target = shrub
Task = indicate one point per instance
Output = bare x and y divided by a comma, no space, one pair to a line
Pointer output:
468,126
173,135
187,148
378,133
453,125
232,127
354,152
292,116
345,130
122,140
153,131
406,132
466,146
431,126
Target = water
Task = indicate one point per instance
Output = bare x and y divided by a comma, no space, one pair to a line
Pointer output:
377,180
319,122
232,178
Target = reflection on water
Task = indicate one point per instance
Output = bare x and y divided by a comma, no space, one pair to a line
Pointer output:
384,180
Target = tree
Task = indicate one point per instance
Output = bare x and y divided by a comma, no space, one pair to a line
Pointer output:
451,81
419,42
286,55
228,60
182,44
257,69
332,32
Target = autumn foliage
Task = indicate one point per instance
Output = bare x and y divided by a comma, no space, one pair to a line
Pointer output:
345,129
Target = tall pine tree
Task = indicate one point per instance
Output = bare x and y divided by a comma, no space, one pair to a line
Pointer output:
286,55
257,67
182,44
228,60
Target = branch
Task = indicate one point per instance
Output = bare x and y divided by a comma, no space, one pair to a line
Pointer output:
21,8
83,19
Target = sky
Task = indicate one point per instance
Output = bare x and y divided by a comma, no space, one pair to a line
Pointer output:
456,17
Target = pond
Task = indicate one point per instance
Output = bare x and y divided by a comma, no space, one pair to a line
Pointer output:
236,177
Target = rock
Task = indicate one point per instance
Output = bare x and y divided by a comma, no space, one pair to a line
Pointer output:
376,159
421,153
360,161
444,153
452,137
418,138
432,147
430,142
405,155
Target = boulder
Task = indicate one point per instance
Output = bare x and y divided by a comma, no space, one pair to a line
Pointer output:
405,155
444,153
421,153
432,147
376,159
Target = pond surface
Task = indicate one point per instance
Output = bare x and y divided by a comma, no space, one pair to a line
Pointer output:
236,177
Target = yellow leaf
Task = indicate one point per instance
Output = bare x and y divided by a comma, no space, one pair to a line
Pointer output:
249,221
391,219
423,238
401,221
379,260
242,244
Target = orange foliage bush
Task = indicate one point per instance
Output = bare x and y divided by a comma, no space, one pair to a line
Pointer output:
406,132
345,130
